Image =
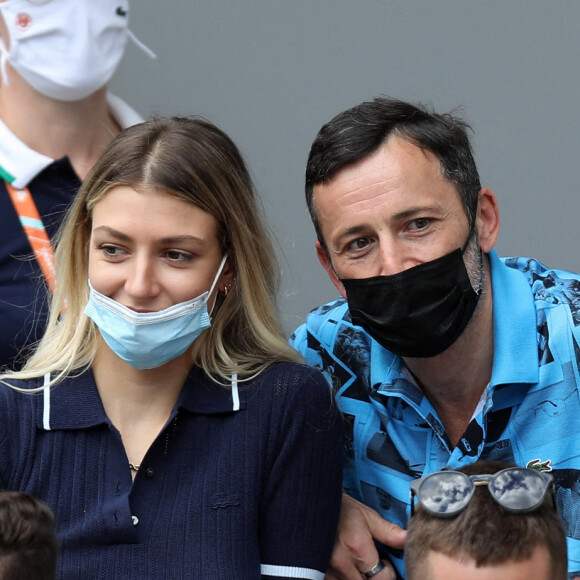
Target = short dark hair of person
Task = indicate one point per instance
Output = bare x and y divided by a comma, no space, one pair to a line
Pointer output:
487,533
28,545
358,132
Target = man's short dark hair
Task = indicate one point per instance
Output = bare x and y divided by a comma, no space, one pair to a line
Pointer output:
358,132
28,545
487,533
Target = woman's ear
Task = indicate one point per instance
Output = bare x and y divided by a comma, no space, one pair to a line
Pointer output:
227,278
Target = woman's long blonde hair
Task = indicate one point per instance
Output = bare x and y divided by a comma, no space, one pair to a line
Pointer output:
195,161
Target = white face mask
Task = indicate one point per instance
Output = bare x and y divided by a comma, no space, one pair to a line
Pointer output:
65,49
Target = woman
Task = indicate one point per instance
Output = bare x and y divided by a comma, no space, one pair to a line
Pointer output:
172,432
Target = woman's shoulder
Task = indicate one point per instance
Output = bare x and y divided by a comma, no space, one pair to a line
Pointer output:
20,403
288,396
294,374
31,391
291,384
20,388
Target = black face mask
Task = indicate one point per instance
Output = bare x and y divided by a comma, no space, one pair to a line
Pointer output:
419,312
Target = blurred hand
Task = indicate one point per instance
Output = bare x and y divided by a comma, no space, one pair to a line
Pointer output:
354,550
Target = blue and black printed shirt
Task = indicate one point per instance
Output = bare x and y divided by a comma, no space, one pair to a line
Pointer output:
529,414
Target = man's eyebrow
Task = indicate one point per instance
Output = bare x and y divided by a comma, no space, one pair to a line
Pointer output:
353,230
416,210
337,242
400,216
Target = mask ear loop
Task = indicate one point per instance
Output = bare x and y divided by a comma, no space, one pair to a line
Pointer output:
3,59
213,285
140,44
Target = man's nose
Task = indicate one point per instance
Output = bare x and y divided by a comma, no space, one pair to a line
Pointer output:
392,258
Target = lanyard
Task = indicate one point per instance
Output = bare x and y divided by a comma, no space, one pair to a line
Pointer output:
34,229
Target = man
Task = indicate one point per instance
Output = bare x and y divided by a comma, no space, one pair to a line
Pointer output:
487,539
28,545
460,355
56,117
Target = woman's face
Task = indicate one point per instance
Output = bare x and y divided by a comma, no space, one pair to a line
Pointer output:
150,250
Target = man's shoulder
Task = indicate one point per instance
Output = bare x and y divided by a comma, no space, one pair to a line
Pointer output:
334,310
322,323
329,340
530,267
549,285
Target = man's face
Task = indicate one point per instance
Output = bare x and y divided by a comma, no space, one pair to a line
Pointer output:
388,212
441,567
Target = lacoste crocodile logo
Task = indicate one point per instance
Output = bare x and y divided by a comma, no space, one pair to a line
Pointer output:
540,465
222,500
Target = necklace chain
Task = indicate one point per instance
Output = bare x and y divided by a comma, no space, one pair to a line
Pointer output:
134,466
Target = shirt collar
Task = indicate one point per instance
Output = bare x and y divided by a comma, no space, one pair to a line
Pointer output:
76,404
203,396
514,326
19,164
72,404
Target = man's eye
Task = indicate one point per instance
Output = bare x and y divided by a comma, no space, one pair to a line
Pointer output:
359,244
419,224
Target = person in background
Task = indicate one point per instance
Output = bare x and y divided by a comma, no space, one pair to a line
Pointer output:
485,521
164,417
28,545
461,355
56,117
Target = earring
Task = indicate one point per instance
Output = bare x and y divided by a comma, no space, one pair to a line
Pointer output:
227,287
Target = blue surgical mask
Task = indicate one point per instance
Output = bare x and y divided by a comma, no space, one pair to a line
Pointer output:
147,340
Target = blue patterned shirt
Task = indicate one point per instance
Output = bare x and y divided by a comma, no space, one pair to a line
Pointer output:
529,414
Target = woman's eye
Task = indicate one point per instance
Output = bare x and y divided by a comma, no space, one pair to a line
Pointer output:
111,251
177,256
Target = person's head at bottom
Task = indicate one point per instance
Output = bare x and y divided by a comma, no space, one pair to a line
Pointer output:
28,545
498,522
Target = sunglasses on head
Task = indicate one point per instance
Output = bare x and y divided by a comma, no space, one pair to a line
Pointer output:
447,493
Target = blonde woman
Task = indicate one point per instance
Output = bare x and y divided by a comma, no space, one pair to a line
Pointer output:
163,416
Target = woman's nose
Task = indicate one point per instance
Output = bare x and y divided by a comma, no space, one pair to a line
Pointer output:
141,282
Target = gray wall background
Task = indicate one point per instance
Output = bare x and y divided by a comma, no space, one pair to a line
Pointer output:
270,73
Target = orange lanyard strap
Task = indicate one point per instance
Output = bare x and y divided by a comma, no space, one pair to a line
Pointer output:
35,232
